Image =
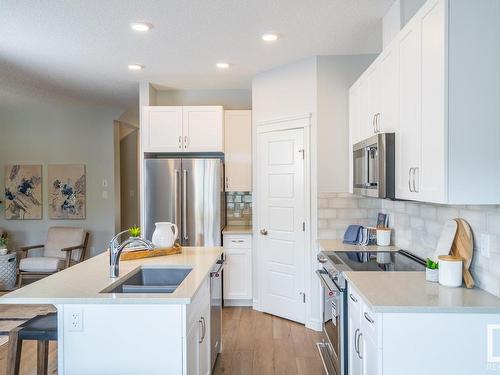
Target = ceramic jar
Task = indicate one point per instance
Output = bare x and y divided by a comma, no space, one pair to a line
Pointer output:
165,234
450,270
383,236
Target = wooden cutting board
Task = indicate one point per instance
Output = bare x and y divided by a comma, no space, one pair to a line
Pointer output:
463,246
158,252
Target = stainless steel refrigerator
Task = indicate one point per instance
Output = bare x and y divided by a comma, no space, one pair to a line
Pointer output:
188,192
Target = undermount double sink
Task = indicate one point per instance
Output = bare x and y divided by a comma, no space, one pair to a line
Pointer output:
151,280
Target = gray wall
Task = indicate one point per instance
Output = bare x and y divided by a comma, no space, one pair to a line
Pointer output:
129,174
335,75
230,99
62,133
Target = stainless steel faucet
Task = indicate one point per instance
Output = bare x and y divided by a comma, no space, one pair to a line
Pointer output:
116,248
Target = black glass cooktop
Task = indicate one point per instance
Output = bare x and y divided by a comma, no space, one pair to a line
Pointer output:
378,261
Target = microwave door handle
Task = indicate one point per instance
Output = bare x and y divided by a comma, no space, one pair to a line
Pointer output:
367,166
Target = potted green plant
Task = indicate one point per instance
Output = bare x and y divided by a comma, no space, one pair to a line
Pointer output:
4,242
432,271
135,233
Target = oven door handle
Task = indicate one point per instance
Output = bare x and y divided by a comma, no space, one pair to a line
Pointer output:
326,282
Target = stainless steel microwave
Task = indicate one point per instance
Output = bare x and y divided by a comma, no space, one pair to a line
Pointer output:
374,166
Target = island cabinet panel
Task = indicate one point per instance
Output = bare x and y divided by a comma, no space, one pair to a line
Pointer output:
120,339
198,332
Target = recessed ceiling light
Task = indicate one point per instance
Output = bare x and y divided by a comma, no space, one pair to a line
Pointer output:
135,67
270,37
141,26
222,65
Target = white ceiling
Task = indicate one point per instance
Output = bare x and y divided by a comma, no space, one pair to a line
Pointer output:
83,47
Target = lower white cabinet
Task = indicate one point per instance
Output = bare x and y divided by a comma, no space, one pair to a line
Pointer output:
238,270
417,341
198,333
363,348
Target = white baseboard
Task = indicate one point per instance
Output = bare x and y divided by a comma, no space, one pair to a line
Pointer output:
314,324
238,302
256,305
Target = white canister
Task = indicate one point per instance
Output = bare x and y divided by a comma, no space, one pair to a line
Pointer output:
383,236
450,270
165,234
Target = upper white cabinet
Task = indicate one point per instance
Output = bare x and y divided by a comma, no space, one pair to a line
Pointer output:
161,129
374,98
182,129
436,87
238,150
203,129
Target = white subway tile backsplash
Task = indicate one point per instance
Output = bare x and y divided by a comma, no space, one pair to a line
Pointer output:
417,227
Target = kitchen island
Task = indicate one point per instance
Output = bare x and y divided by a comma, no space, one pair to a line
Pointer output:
102,331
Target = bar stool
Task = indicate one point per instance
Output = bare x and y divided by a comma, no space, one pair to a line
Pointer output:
41,328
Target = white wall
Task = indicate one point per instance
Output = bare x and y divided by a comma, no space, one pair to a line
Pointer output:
285,91
391,23
229,99
335,75
62,133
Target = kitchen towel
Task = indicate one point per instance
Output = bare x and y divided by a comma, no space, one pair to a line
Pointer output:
352,234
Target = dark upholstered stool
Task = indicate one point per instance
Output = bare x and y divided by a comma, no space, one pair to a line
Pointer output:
41,328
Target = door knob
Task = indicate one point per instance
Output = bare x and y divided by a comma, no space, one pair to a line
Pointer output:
263,232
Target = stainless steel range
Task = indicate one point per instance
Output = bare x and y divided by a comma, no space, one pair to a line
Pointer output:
333,348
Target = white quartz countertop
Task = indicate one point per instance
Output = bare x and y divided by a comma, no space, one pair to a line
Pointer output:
409,292
83,283
237,229
337,245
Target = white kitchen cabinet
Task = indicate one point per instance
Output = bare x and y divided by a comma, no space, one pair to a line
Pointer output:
161,129
182,129
354,329
363,350
238,150
238,270
438,90
203,129
198,333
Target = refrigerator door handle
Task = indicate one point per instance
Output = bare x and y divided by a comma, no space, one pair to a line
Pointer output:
176,197
184,205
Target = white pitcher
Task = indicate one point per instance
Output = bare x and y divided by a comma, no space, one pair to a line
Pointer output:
165,234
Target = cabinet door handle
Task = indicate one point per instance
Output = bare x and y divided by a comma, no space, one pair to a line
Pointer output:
356,341
202,329
180,141
409,179
416,187
352,298
227,182
367,317
237,241
377,122
359,351
373,123
185,141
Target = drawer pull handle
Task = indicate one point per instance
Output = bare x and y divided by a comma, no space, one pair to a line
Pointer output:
367,317
352,298
237,241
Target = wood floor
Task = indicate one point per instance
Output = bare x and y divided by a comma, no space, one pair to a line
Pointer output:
253,343
261,344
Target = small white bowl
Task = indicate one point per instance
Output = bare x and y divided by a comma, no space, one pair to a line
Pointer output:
4,251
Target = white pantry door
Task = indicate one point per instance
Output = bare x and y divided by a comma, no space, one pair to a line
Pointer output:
281,220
